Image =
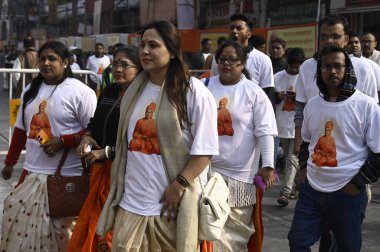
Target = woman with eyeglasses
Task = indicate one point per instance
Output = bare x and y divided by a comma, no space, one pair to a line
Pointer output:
101,136
246,127
55,108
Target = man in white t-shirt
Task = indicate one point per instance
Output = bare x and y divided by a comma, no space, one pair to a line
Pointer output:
369,47
354,47
285,86
339,156
332,31
97,63
258,64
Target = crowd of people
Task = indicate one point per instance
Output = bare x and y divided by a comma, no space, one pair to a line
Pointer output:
156,134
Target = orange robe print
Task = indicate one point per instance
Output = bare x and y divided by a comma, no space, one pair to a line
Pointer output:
224,119
290,100
145,138
40,121
325,150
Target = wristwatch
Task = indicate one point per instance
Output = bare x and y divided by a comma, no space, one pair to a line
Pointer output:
182,181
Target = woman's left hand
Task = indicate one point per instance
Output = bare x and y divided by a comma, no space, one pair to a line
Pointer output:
268,175
171,199
53,146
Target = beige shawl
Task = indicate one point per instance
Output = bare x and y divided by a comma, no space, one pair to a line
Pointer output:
174,154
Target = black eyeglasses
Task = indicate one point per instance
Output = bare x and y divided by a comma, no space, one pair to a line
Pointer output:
331,36
336,66
230,60
123,65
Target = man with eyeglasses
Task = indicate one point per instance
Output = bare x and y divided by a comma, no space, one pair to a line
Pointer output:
369,47
354,47
332,31
334,188
258,64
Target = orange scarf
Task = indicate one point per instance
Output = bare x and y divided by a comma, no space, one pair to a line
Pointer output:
84,237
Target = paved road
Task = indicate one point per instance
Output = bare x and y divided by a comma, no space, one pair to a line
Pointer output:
277,220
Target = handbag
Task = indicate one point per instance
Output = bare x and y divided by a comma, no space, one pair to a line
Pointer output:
214,208
66,195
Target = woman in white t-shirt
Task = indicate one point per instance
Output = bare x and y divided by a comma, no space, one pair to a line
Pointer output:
246,127
55,108
166,137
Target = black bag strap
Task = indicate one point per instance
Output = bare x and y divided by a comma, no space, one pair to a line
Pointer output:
61,162
57,173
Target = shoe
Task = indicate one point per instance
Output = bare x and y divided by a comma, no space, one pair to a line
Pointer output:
283,200
293,196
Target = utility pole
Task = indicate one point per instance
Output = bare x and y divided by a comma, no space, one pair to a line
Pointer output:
196,13
327,7
85,17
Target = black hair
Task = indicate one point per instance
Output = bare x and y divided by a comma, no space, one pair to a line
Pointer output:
256,41
204,41
278,40
221,40
333,20
352,34
240,16
28,42
61,50
240,52
347,87
117,45
177,78
296,55
132,53
99,44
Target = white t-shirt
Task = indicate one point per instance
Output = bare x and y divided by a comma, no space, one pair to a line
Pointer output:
68,110
259,67
375,57
214,67
74,66
97,65
248,114
145,178
285,110
307,86
376,70
355,132
205,55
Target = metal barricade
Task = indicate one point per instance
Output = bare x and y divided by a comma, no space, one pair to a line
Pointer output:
14,103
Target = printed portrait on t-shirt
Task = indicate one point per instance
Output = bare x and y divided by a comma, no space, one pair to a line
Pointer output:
101,69
40,123
145,138
325,150
290,100
224,119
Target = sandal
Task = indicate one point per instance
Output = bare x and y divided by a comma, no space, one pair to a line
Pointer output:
283,200
293,195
